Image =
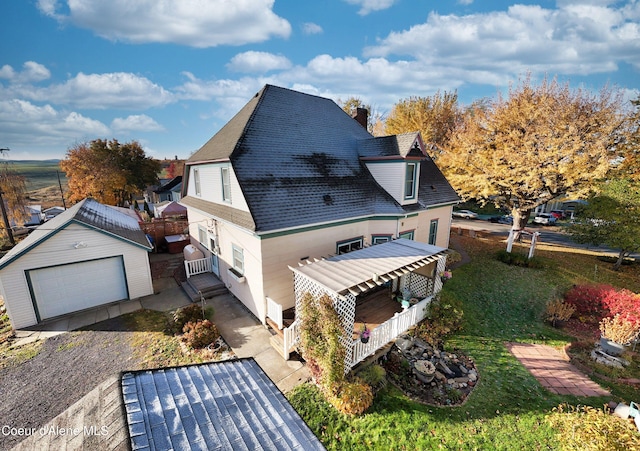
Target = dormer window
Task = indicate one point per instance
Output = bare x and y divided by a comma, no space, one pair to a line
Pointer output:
410,181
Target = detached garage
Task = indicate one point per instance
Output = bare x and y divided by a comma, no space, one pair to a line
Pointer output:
88,256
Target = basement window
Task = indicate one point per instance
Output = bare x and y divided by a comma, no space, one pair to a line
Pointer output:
344,247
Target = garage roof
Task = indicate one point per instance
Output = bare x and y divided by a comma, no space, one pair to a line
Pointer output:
89,213
230,405
358,271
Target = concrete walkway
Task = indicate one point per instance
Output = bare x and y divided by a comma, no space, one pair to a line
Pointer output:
553,370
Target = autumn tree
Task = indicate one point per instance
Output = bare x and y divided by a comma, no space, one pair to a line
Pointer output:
611,218
375,119
539,143
108,171
629,146
435,117
14,195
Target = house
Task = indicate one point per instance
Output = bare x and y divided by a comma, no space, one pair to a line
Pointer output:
169,209
169,190
292,178
52,212
87,256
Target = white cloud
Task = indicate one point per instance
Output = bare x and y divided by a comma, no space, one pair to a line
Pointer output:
194,23
576,39
311,28
100,91
138,122
368,6
25,124
258,62
31,72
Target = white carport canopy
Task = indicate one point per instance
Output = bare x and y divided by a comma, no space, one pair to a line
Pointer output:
359,271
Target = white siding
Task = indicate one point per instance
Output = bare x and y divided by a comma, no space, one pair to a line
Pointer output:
251,292
59,249
391,176
211,185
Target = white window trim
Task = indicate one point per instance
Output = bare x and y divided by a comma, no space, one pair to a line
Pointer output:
237,255
196,182
379,239
435,235
414,182
226,184
407,234
339,244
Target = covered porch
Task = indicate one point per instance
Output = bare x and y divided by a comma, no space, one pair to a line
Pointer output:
387,287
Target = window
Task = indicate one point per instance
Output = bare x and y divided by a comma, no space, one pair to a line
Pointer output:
226,184
196,180
410,181
202,236
343,247
238,259
433,231
408,235
379,239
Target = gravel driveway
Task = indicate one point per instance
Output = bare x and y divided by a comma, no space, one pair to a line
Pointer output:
68,367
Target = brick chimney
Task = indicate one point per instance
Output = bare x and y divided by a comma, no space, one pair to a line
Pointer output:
361,116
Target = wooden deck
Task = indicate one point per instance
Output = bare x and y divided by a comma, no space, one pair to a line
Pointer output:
374,309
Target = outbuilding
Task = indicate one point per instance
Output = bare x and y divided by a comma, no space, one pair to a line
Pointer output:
88,256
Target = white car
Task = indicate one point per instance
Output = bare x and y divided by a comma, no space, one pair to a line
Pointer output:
466,214
544,219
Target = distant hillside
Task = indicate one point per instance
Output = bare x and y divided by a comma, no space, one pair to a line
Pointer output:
39,173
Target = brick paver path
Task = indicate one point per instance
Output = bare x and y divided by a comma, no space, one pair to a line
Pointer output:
553,371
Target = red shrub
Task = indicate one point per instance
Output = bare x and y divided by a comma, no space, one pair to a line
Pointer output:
588,300
599,301
623,302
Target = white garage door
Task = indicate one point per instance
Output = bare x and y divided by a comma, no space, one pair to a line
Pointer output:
67,288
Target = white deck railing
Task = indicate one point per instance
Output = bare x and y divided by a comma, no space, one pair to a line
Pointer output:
274,311
389,330
290,338
198,266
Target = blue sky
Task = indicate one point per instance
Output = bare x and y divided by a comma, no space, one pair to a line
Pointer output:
170,73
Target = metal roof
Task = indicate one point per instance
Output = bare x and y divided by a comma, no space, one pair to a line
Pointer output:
230,405
87,212
361,270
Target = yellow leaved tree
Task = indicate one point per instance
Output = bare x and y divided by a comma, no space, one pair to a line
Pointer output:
540,142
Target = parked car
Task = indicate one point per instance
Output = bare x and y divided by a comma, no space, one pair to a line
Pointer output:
544,219
505,219
466,214
558,214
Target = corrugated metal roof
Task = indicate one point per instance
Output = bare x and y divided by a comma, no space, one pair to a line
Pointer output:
230,405
89,213
296,158
375,264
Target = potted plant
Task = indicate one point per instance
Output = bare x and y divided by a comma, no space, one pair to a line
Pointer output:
615,332
425,370
365,333
445,275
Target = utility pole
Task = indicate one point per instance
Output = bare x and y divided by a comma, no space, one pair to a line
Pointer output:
7,226
61,192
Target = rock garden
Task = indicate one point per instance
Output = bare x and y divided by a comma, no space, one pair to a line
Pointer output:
428,374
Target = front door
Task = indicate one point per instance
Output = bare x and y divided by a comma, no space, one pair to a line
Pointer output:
214,256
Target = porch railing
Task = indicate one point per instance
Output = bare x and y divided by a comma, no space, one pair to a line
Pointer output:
198,266
290,338
274,311
389,330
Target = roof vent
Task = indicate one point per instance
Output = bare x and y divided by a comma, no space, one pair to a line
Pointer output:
328,200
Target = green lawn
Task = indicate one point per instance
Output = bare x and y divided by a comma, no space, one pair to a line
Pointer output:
508,407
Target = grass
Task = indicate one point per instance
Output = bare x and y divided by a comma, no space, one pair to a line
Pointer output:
155,347
508,408
13,355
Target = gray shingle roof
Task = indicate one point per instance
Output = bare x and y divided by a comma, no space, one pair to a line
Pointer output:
297,159
87,212
230,405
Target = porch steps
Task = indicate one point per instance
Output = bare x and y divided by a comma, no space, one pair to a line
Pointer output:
277,342
274,327
207,284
